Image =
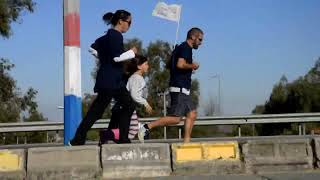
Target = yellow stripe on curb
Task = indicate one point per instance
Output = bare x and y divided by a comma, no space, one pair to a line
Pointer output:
206,151
190,152
226,151
9,161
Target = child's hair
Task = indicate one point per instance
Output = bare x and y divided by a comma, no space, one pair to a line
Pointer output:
132,65
113,18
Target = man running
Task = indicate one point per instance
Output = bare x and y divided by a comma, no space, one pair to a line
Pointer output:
181,67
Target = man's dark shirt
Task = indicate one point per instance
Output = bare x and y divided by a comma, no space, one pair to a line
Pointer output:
180,77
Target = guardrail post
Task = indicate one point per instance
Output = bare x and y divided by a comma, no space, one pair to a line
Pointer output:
47,137
57,137
4,138
239,130
25,138
253,129
179,133
164,132
300,129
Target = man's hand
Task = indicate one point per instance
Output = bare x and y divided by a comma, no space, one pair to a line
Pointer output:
195,66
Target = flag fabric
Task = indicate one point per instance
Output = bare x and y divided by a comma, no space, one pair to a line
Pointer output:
170,12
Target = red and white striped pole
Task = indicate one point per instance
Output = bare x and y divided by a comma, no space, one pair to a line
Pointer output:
72,68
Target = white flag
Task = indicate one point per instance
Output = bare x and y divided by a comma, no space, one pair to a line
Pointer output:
169,12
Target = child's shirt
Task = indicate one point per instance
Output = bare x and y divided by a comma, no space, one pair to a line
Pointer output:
136,85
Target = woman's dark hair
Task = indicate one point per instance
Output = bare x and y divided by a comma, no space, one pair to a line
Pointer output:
113,18
132,65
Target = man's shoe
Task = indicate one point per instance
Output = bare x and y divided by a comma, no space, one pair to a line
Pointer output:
142,133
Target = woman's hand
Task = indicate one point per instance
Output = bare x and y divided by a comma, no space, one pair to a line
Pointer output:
149,109
135,50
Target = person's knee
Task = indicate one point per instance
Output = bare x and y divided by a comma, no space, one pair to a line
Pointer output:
177,120
193,115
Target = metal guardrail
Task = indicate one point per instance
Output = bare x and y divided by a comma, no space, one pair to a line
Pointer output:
300,118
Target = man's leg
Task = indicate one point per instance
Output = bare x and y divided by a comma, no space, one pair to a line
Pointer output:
175,113
164,121
94,113
188,125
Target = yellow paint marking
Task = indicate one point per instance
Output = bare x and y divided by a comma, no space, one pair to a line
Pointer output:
9,161
207,151
190,152
220,151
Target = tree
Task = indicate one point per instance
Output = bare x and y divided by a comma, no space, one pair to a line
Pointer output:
10,11
9,104
13,104
35,137
259,109
299,96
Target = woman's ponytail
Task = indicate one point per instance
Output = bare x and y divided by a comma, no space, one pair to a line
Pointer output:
107,18
113,18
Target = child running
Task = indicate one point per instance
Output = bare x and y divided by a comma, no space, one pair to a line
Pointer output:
136,85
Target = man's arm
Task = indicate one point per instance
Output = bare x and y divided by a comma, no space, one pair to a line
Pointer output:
182,64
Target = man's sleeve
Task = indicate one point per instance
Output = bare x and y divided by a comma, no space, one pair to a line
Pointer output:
183,53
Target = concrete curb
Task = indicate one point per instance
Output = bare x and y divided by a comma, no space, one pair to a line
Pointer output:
135,160
78,162
13,164
277,155
317,151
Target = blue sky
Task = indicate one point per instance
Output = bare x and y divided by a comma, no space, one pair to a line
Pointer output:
249,43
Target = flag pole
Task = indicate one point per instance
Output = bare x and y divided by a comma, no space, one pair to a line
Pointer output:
177,31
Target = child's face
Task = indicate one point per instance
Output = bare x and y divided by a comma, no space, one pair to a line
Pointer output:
144,67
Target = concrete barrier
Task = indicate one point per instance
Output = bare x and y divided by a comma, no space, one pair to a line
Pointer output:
206,158
317,151
77,162
12,164
277,155
135,160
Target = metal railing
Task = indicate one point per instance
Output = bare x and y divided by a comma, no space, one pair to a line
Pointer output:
300,118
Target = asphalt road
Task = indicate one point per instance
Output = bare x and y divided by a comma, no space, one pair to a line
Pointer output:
307,175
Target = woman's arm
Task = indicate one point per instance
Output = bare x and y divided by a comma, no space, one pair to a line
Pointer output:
125,56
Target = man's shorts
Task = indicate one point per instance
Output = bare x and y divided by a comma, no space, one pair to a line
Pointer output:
181,104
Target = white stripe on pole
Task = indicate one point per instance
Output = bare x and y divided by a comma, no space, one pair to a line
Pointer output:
73,75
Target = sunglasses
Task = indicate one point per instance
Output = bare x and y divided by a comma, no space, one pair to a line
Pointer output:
129,22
